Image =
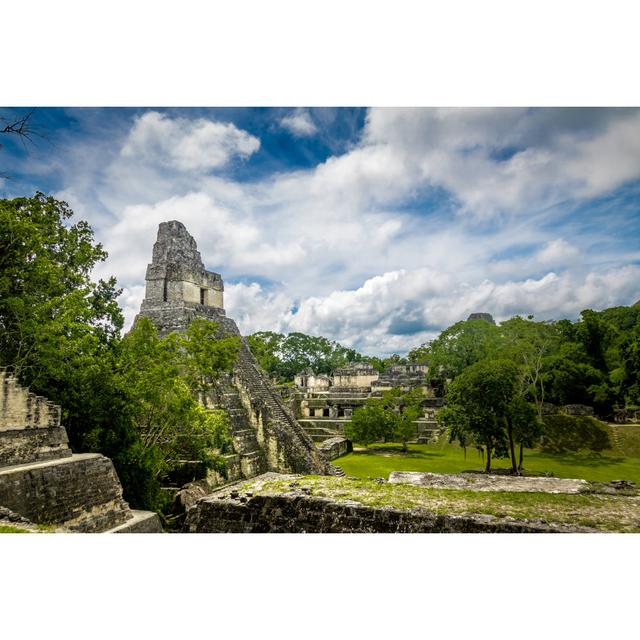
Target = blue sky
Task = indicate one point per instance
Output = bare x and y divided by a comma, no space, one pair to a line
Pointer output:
374,227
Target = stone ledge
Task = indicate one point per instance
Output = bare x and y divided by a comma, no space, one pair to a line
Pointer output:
31,444
256,506
141,522
76,457
482,482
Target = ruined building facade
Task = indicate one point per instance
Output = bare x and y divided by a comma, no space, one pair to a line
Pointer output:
265,434
325,403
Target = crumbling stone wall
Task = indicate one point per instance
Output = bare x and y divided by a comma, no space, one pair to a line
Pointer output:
29,425
296,513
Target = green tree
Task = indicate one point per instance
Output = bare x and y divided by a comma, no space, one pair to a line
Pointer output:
529,344
59,328
460,346
283,356
170,423
206,355
480,408
389,418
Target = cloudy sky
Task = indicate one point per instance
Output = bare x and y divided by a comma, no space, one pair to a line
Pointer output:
374,227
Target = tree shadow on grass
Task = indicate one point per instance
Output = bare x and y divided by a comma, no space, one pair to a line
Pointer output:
396,451
582,460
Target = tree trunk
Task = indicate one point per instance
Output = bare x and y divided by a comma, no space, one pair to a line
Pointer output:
521,458
512,449
487,468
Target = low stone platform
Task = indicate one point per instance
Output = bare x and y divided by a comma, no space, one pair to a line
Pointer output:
141,522
481,482
335,447
274,503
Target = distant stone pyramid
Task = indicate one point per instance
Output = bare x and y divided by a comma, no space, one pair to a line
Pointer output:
266,435
482,316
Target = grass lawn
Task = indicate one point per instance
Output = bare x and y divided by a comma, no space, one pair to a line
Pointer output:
380,460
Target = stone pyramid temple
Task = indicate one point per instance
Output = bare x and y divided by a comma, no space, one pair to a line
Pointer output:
265,434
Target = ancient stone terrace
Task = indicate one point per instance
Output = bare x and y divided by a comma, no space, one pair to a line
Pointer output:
43,481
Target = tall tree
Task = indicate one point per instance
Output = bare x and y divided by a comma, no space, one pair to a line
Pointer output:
480,408
460,346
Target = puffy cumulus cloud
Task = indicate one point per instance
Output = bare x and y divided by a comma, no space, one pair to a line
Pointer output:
187,145
557,252
299,123
512,160
398,310
255,309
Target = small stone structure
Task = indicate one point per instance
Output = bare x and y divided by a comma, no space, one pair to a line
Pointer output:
45,483
265,434
335,447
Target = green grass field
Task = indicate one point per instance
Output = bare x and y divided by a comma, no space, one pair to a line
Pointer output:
380,460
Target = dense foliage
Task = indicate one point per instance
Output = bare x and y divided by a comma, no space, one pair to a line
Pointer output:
593,361
284,356
133,399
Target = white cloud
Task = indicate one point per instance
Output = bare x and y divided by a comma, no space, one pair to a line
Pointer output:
299,123
557,252
512,160
187,145
399,310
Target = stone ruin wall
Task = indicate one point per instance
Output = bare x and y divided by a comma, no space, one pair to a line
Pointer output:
29,425
296,512
44,482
